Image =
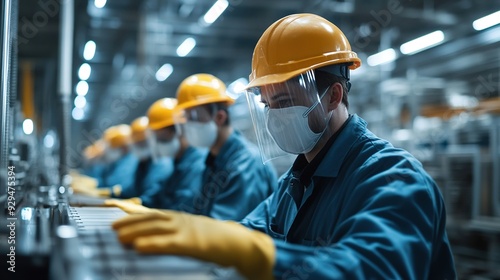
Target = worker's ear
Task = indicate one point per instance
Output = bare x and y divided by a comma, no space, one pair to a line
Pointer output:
336,92
220,117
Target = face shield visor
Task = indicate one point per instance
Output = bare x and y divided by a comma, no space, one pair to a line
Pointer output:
288,117
198,125
164,142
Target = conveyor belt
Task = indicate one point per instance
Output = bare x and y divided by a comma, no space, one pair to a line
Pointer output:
111,260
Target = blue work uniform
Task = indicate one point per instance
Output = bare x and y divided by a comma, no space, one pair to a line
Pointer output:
95,170
178,191
235,181
149,177
120,172
361,209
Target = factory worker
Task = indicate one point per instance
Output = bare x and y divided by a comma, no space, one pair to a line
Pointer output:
235,181
93,162
352,206
119,166
178,190
87,181
150,173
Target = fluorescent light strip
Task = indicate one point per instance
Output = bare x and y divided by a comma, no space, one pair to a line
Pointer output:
422,43
382,57
486,21
164,72
89,50
215,11
186,47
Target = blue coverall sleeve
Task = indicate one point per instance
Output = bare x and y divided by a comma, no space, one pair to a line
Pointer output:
124,175
386,232
241,192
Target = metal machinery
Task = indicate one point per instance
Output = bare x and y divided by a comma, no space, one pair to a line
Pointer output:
458,142
41,233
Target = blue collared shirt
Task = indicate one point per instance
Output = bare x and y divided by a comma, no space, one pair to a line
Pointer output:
370,211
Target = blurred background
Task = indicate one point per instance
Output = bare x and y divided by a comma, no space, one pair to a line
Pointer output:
430,83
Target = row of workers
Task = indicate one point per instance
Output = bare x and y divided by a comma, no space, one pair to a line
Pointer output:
351,206
184,155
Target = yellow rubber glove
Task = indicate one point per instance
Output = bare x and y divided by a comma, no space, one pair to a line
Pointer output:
134,200
102,192
83,182
224,243
128,207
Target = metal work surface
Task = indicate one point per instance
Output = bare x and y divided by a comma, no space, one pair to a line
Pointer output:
108,259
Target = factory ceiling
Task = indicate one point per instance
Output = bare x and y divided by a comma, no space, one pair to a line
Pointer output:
135,38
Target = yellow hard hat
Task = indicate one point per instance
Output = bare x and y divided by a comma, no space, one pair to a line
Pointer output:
139,127
94,150
161,113
89,152
200,89
295,44
117,136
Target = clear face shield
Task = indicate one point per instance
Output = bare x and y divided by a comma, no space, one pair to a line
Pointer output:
164,142
288,117
198,125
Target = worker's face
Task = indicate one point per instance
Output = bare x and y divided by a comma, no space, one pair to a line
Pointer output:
200,128
141,150
166,134
166,142
198,114
291,94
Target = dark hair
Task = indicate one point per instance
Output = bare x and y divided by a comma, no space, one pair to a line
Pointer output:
213,108
325,79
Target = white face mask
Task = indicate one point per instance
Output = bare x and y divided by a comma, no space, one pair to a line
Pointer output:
112,155
141,152
168,149
290,129
201,134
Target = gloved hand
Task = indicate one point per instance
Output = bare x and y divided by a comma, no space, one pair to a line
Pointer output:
83,182
224,243
128,207
95,192
134,200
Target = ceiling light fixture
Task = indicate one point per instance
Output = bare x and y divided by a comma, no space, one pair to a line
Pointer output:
82,88
382,57
486,21
421,43
78,113
28,126
80,102
215,11
186,47
164,72
100,3
84,72
89,50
